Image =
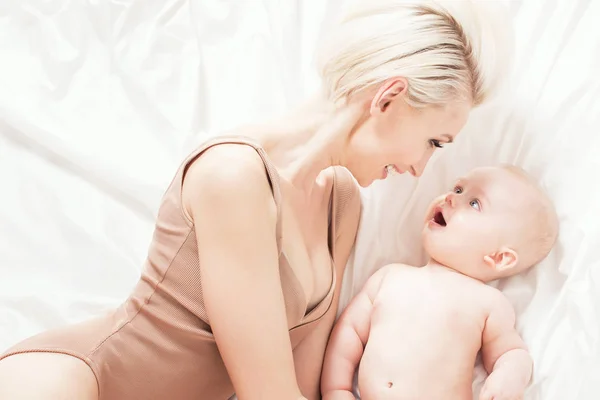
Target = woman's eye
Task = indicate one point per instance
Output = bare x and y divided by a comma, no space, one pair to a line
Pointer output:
475,204
458,190
435,143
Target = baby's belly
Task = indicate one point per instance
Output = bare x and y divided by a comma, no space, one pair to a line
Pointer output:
386,391
417,363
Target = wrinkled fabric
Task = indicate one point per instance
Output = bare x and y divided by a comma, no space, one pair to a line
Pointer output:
101,100
547,122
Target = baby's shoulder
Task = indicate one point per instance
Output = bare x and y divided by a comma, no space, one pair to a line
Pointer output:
492,293
383,276
399,268
390,271
493,299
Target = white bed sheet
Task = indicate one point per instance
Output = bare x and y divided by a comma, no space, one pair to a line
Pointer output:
100,101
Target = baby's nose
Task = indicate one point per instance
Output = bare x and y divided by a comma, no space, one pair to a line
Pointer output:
450,199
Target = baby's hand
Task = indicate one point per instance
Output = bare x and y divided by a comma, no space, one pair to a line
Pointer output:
502,386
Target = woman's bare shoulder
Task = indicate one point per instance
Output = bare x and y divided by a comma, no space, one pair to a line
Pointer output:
227,174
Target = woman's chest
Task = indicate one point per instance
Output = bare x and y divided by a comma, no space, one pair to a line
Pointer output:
306,248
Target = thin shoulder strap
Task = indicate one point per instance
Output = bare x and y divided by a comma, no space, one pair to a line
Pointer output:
276,188
345,194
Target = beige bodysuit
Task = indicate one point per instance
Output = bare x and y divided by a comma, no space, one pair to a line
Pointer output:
158,343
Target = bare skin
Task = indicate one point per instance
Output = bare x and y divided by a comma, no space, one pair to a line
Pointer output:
365,135
422,346
414,333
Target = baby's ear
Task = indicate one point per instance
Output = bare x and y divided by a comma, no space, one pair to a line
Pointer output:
502,261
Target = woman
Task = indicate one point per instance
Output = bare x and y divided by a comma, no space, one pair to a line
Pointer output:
241,284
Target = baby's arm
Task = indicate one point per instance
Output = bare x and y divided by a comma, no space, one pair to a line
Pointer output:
505,356
347,341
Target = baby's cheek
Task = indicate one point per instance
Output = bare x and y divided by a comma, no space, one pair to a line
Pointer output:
450,246
460,236
467,228
460,221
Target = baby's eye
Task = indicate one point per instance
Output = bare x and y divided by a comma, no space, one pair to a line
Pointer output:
435,143
475,204
458,189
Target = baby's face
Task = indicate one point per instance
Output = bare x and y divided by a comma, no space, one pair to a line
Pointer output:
478,218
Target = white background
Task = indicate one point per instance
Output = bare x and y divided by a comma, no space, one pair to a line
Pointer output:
100,100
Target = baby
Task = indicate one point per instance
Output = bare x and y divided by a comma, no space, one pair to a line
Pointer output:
416,332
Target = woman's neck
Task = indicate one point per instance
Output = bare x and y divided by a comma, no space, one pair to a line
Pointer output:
300,143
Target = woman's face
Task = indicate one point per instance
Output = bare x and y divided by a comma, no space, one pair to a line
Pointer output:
397,134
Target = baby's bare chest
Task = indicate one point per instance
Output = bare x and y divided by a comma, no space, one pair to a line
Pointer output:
432,304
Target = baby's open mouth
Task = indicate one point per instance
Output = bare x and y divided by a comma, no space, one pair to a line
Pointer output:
438,218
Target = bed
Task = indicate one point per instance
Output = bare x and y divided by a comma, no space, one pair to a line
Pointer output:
101,100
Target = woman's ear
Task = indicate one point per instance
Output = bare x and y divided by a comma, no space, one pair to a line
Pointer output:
389,91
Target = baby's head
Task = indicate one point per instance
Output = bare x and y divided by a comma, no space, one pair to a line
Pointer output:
494,223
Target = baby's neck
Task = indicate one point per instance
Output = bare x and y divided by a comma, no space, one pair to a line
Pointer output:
432,264
436,266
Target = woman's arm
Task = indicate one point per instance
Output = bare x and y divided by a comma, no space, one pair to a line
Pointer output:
230,200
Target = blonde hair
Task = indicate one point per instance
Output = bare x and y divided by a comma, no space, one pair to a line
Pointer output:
447,51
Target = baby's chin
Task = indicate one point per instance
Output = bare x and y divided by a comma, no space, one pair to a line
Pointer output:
433,246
